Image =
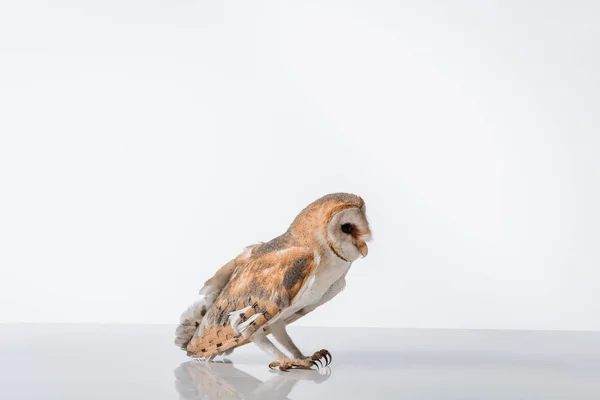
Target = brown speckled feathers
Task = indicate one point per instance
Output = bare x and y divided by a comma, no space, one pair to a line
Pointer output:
267,283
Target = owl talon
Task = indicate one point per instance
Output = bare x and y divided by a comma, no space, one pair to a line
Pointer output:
327,356
322,354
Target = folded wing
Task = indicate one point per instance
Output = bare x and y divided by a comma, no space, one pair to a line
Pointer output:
256,292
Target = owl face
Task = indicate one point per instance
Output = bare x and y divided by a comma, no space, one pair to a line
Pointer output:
348,231
339,220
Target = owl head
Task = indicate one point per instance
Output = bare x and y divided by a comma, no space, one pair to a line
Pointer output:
338,220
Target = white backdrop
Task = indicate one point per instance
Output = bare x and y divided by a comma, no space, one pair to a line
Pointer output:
145,143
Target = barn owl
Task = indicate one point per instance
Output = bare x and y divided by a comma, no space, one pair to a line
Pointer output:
270,285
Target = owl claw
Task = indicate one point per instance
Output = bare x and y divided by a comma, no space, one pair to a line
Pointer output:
321,360
322,354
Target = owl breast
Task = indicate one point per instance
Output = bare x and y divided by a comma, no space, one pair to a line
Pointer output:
325,275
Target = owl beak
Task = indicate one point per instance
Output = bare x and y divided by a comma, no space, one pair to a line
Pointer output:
362,247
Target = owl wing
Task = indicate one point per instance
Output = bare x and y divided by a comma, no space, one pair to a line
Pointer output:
255,294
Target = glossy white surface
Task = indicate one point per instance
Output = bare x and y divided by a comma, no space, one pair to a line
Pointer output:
140,362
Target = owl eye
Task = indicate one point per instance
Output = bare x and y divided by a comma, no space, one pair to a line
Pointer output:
347,228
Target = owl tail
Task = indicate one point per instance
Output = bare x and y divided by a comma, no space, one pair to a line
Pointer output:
191,318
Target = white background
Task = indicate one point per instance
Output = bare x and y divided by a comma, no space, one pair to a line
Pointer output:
145,143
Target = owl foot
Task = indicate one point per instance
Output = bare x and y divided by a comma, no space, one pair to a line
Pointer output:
294,363
322,354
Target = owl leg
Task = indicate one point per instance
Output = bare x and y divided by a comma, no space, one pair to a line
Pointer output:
283,362
280,333
261,340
